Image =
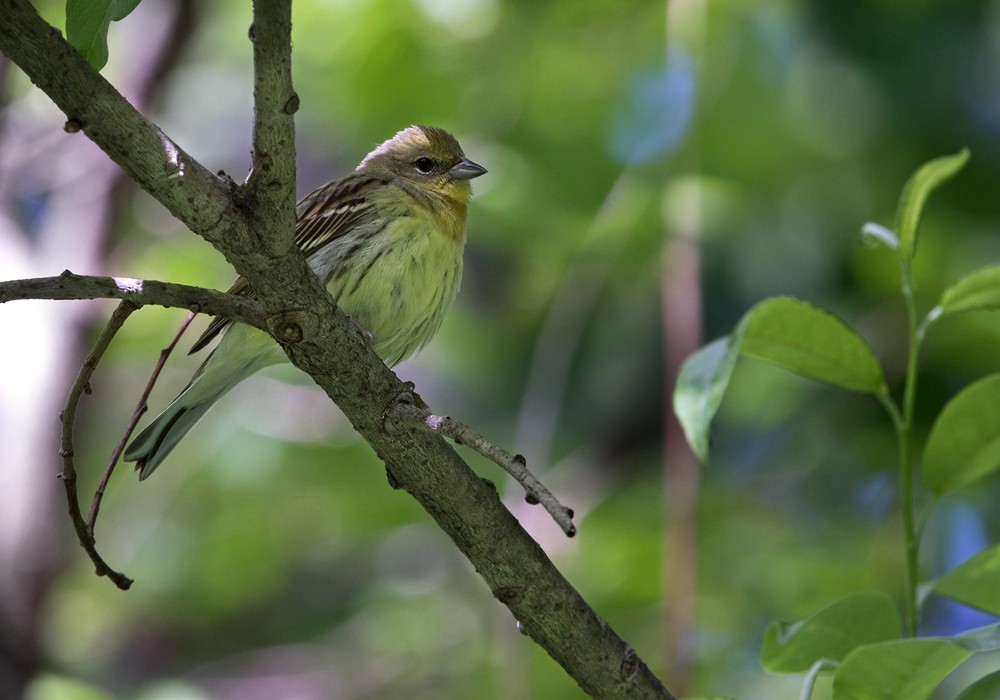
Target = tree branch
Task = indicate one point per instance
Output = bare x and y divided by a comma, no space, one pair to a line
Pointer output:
272,181
80,216
68,417
318,340
407,411
194,195
138,292
141,407
134,294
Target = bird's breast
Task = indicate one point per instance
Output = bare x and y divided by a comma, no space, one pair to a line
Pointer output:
397,279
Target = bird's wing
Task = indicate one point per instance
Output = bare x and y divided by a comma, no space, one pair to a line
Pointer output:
324,214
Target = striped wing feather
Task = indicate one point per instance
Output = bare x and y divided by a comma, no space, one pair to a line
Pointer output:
323,215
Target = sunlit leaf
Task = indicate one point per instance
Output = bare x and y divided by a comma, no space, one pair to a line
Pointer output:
978,291
701,384
830,634
911,202
904,668
975,583
964,443
87,23
812,342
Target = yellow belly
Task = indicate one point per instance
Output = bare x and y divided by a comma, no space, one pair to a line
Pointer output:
399,286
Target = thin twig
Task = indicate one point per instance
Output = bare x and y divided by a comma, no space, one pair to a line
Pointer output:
140,409
535,491
68,418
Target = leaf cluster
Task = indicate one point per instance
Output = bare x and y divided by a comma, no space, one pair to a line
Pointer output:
857,638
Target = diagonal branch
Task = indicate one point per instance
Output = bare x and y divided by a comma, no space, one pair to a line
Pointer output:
92,105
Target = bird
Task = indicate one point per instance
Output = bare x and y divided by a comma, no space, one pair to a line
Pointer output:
387,240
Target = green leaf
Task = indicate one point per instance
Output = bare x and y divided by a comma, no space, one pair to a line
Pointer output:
978,291
907,668
87,23
832,633
701,384
792,334
964,443
986,688
911,202
975,583
812,342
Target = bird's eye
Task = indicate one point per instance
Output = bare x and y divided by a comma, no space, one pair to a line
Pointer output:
424,164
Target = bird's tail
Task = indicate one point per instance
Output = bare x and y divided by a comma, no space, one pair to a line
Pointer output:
242,351
161,436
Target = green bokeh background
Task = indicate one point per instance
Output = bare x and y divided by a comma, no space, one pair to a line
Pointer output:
271,558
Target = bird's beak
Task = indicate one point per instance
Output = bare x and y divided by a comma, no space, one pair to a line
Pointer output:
465,169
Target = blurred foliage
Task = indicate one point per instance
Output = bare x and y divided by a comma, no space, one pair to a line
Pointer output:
271,558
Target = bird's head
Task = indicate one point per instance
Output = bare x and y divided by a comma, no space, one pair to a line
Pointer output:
428,157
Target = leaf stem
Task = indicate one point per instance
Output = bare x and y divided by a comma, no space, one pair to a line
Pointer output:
904,432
